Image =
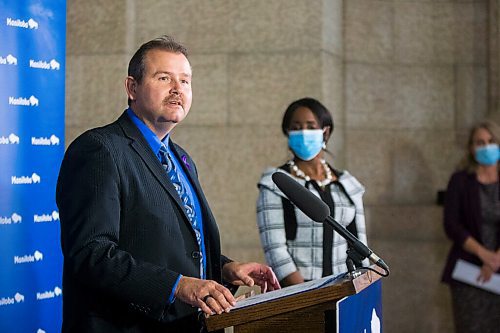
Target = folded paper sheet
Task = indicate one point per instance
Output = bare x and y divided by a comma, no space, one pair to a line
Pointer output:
466,272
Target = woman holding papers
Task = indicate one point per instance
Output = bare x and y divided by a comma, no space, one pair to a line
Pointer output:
472,222
297,248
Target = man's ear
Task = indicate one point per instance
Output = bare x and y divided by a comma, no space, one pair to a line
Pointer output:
130,87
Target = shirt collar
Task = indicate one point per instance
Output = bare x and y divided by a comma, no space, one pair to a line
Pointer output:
154,142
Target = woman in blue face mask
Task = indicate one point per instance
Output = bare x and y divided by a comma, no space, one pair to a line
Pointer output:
472,222
297,248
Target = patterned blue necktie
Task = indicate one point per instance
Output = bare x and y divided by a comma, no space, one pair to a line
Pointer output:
187,202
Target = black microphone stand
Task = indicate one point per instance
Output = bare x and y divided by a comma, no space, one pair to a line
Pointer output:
353,257
357,251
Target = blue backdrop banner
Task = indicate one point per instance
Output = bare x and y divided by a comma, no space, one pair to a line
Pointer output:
32,67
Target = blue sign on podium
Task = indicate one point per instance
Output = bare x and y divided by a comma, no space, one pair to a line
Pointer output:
362,312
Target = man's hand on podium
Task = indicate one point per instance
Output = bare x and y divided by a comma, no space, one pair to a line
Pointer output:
250,274
210,296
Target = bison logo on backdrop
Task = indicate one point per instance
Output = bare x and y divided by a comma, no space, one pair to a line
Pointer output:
16,218
36,178
40,331
57,291
19,298
54,64
38,255
33,101
54,140
11,60
13,138
55,215
32,24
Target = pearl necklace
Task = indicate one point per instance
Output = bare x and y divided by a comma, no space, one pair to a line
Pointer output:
322,183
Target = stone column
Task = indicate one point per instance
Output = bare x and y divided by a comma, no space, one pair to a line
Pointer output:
416,79
494,61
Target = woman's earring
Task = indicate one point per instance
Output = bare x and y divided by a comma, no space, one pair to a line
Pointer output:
323,145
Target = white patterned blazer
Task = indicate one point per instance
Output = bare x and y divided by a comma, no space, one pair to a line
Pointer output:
302,248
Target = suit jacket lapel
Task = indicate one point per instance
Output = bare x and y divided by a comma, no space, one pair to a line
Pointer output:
142,148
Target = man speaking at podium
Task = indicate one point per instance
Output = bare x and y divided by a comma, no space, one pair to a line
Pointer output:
141,246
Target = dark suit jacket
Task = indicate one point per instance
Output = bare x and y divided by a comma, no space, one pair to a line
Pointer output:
125,236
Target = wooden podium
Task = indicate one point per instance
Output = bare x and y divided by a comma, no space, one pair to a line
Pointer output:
309,311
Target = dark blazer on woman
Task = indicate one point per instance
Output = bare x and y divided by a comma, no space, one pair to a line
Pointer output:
462,218
125,237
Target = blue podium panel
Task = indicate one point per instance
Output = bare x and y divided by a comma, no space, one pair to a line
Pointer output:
361,313
32,89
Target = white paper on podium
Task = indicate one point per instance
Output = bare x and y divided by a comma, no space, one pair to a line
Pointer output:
295,289
466,272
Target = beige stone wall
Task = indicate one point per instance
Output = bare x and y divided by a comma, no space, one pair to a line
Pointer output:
494,60
428,61
416,79
404,79
250,60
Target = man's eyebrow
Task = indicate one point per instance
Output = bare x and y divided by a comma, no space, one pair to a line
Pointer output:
170,73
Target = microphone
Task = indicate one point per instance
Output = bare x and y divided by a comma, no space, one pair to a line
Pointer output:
319,211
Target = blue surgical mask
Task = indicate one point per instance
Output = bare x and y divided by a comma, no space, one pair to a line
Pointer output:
487,155
306,144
